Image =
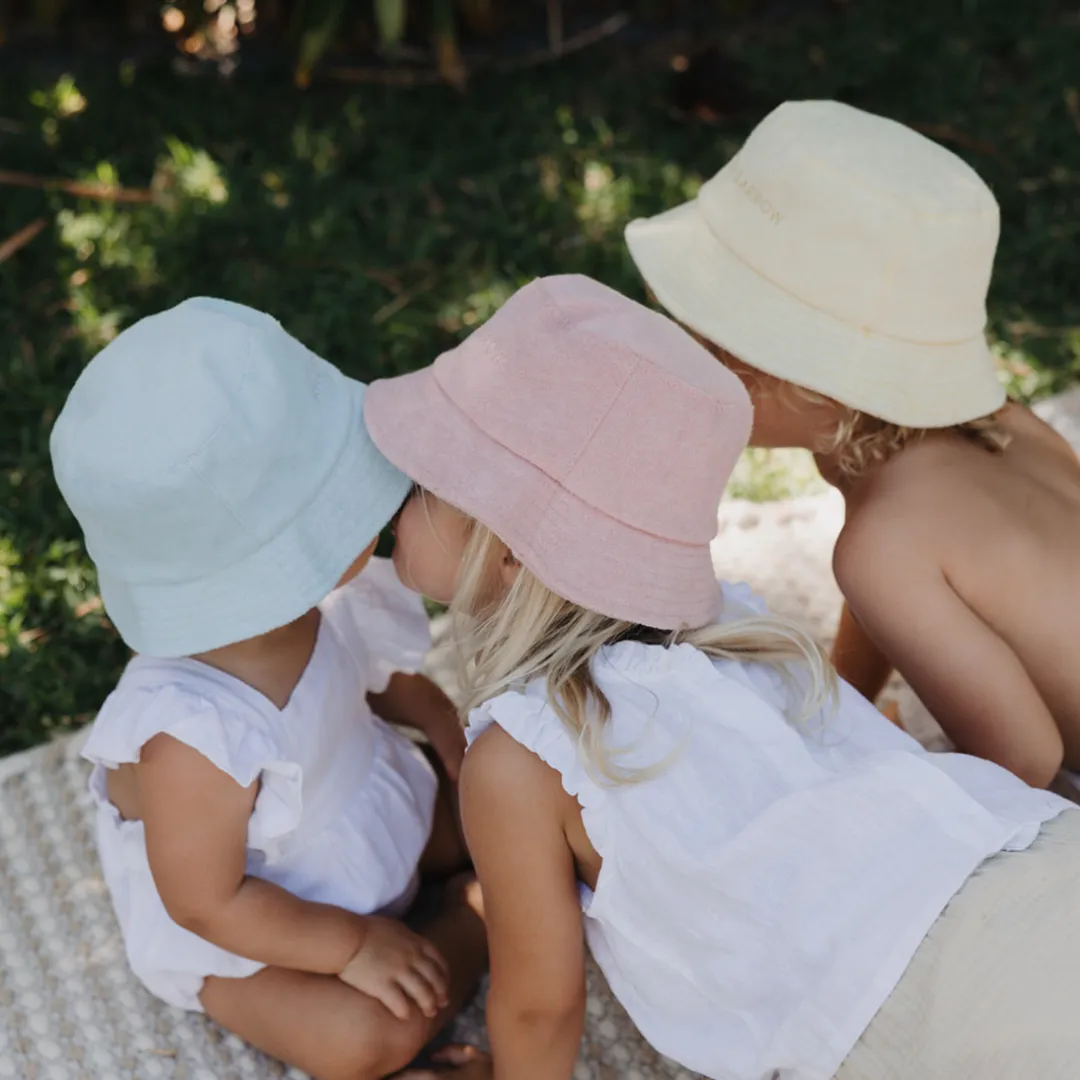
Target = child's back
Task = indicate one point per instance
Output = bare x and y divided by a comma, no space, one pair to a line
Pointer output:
839,263
947,542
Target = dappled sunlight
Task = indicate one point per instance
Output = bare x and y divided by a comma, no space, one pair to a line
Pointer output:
316,147
1018,370
603,199
382,223
189,174
106,236
58,102
465,313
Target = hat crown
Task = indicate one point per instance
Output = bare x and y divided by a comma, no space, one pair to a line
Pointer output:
861,218
177,447
614,402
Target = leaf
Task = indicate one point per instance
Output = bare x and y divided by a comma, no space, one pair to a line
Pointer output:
317,22
390,20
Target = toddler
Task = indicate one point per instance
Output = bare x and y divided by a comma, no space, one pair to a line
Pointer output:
262,829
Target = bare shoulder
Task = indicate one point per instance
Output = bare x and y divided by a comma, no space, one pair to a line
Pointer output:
498,767
902,525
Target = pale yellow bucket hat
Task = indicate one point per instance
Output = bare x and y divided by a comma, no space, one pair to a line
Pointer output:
842,252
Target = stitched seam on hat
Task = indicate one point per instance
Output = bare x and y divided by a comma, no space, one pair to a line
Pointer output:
189,462
948,344
506,449
638,361
637,358
263,543
572,464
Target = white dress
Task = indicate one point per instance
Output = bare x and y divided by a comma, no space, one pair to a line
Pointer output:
345,805
762,895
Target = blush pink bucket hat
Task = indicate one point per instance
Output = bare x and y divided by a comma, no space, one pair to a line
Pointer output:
591,435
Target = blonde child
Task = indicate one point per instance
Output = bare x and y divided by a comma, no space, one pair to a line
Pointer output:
261,830
839,264
776,881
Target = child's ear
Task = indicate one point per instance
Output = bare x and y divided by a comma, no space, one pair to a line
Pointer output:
509,568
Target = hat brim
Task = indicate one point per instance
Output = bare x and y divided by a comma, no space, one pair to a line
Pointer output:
287,576
709,289
575,550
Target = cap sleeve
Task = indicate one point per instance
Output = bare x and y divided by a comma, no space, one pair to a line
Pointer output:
221,731
529,720
381,622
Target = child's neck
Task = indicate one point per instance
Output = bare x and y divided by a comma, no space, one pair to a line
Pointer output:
828,465
271,663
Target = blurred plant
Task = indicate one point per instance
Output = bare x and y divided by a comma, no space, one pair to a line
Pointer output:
212,30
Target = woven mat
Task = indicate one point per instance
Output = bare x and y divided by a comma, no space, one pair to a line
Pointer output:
70,1009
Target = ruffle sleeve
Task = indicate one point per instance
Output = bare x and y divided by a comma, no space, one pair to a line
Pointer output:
528,719
219,730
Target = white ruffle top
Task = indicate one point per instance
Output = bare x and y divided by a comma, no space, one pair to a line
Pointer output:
345,803
762,895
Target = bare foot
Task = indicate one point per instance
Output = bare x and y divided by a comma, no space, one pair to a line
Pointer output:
464,1062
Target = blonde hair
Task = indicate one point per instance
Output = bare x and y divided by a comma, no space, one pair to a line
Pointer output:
507,639
861,441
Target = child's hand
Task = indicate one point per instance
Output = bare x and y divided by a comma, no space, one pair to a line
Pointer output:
396,967
447,738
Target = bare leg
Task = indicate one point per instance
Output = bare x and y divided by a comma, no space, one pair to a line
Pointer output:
326,1028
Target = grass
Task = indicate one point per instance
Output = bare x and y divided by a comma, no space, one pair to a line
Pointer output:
380,225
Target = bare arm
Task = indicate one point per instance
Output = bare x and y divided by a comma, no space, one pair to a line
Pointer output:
417,702
196,820
967,676
513,807
857,659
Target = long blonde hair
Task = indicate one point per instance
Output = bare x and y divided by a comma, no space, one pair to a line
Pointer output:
506,639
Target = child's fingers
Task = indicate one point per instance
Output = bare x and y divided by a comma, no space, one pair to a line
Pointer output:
433,975
431,953
395,999
421,991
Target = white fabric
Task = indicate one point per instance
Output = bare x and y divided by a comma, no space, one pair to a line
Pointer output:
345,805
991,992
843,252
221,474
762,895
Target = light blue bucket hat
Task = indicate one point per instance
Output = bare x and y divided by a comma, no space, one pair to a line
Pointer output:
222,476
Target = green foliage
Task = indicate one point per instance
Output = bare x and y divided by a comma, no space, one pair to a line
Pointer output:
381,225
390,19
